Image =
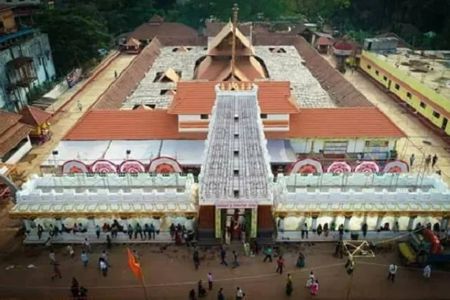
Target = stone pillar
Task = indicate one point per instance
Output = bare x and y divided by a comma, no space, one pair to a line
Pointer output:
379,220
27,224
444,224
314,223
91,225
347,222
218,224
411,222
254,225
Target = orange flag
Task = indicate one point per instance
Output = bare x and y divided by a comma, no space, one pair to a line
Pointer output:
134,265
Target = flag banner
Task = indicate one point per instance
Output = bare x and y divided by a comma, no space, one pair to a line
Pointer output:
134,265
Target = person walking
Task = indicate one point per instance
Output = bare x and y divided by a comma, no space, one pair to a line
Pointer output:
364,229
235,259
210,281
220,295
268,253
80,106
201,291
300,260
52,257
223,254
412,158
341,232
192,295
434,160
83,293
289,286
104,255
108,242
196,259
239,293
130,231
103,267
305,231
84,258
280,264
314,288
427,272
311,279
97,231
392,272
56,271
87,245
75,288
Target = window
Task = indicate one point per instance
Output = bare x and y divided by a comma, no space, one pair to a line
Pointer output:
236,135
377,73
423,105
369,67
408,94
236,193
397,86
384,78
236,153
263,116
436,114
204,117
236,117
236,172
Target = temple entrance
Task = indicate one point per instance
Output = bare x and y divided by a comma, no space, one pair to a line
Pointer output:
235,224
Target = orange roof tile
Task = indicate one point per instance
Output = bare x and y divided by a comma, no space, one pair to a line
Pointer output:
34,116
129,125
348,122
197,97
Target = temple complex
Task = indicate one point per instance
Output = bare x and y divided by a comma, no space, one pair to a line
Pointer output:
244,137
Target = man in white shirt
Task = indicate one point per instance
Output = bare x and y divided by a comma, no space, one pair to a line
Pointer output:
392,271
239,294
427,271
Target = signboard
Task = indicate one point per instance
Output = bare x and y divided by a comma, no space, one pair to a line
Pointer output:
233,205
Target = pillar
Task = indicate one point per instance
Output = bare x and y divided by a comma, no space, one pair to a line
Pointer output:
379,220
218,224
411,222
347,222
314,223
254,225
91,225
444,224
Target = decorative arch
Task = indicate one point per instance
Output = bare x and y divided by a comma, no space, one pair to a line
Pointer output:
367,167
306,166
396,166
339,167
103,166
131,166
74,166
164,165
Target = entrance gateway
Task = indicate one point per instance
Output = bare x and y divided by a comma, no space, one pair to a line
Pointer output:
235,178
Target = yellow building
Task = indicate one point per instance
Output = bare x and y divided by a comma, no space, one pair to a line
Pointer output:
7,21
420,79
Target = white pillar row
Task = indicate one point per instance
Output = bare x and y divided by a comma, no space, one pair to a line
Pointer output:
91,225
411,222
58,223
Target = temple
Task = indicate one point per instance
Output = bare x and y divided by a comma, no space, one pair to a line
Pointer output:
234,140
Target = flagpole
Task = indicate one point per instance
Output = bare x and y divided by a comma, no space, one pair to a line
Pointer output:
143,286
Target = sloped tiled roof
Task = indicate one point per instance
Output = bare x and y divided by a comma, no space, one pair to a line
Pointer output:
11,131
197,97
34,116
150,30
349,122
129,125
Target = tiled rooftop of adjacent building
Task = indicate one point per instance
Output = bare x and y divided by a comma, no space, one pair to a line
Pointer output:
432,68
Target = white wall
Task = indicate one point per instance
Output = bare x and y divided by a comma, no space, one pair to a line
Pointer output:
20,152
277,117
354,145
190,118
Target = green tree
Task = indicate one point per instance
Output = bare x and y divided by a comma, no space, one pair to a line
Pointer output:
75,36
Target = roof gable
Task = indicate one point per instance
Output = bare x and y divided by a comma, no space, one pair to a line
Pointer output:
222,38
34,116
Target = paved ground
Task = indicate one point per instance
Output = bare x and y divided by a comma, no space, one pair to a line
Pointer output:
67,118
417,132
169,274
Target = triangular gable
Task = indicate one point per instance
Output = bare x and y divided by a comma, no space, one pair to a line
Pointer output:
224,33
169,75
132,42
34,116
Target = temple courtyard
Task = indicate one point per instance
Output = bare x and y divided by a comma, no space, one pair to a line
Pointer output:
170,274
